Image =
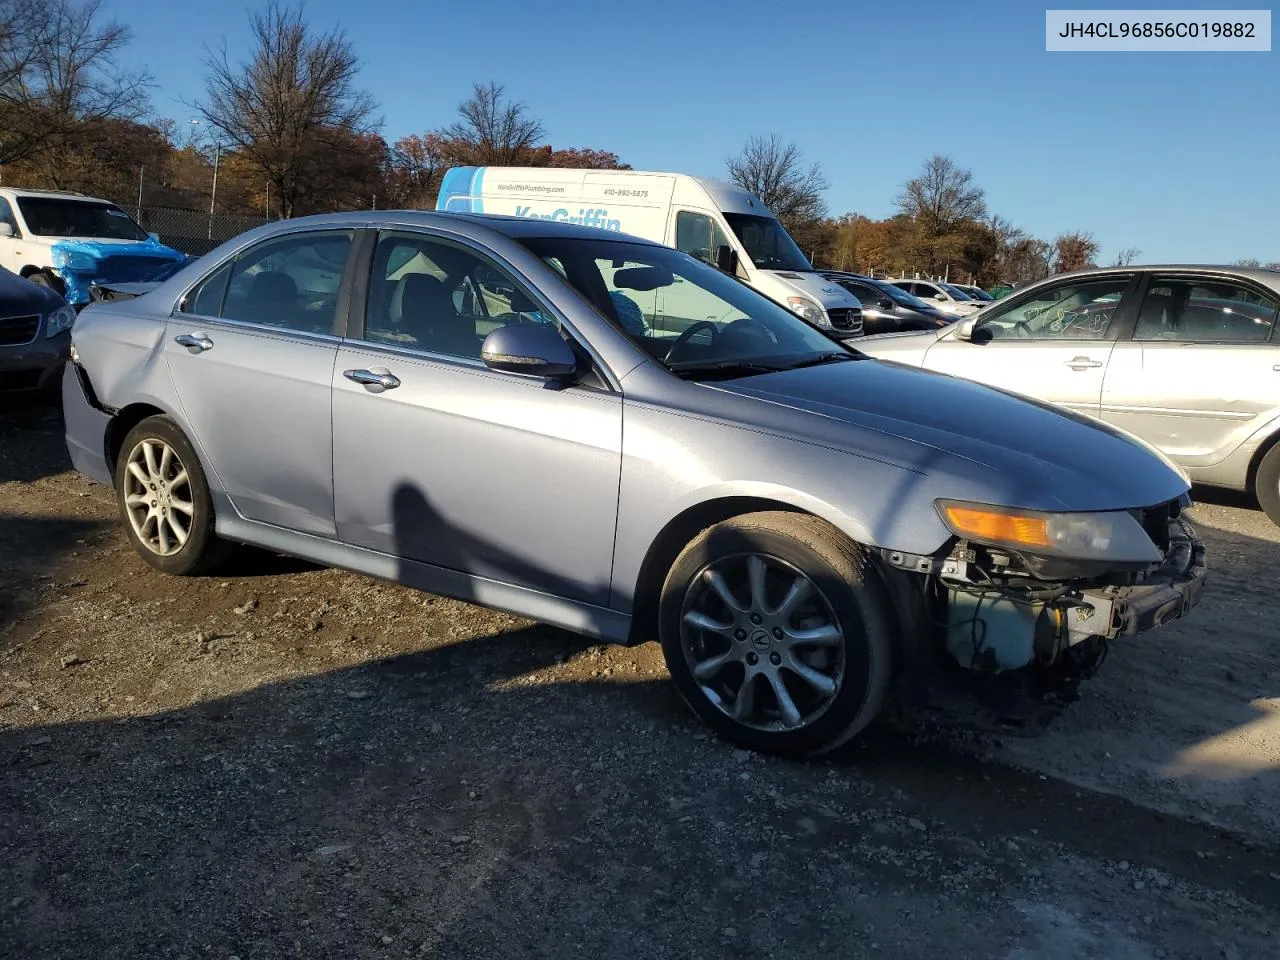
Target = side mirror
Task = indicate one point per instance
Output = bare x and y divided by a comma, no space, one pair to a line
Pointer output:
154,236
886,303
726,259
964,329
940,297
6,229
534,351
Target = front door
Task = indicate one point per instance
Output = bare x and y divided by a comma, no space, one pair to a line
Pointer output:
1053,346
1201,373
452,464
251,354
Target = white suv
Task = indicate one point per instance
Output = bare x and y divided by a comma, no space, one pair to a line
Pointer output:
944,296
68,241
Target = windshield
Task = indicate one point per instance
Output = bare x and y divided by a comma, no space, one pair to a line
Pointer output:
955,291
56,217
978,293
687,315
768,245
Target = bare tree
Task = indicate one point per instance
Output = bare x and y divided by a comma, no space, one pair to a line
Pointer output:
493,130
1074,251
291,106
775,172
1127,256
59,68
942,197
1248,262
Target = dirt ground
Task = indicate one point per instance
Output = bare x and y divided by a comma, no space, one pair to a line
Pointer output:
288,761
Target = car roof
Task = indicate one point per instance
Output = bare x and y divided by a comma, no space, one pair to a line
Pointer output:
65,194
514,227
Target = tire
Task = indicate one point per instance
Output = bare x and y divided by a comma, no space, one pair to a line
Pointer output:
43,279
1267,484
843,593
185,508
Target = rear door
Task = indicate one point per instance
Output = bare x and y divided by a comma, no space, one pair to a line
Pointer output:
1201,371
1052,344
251,353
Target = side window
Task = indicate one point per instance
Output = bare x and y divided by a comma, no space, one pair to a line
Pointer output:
289,282
1075,310
205,299
698,235
440,298
867,296
1205,311
6,214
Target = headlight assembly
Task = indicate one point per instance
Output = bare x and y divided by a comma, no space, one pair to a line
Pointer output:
806,309
60,320
1113,535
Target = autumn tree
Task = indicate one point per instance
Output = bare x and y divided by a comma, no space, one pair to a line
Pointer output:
293,108
60,70
942,197
1075,250
774,170
492,129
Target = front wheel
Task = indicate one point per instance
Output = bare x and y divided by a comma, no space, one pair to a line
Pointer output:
164,500
777,633
1267,484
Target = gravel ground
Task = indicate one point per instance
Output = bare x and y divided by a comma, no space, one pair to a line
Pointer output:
296,762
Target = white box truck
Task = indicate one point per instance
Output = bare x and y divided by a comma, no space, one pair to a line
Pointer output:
717,222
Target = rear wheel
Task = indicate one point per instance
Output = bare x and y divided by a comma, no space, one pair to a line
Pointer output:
777,633
164,500
1267,483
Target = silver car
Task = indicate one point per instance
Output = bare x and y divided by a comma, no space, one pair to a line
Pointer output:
1187,358
458,403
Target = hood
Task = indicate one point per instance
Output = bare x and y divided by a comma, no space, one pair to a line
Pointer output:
1054,459
19,296
816,287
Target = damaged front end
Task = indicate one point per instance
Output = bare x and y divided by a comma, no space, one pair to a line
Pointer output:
1023,606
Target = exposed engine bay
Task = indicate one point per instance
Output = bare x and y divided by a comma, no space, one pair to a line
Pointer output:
1010,637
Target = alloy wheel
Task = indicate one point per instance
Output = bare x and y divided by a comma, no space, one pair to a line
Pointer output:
762,642
157,497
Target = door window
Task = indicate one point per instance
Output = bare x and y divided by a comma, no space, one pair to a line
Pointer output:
441,298
698,235
1074,310
289,282
1205,311
6,215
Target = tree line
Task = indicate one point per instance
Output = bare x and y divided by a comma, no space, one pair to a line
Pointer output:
290,131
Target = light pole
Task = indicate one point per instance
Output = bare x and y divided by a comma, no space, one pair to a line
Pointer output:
213,194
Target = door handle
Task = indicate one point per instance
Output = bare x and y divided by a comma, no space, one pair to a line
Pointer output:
1276,368
386,381
195,342
1082,363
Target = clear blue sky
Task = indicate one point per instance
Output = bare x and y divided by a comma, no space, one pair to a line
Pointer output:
1175,154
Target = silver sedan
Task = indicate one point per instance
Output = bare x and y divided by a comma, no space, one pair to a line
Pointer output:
469,406
1185,357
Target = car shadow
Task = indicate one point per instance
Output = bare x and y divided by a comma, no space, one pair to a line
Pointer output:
459,802
32,438
36,545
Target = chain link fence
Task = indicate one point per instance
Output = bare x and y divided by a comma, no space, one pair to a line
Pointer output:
194,232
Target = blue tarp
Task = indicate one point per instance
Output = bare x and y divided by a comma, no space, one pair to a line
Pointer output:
80,263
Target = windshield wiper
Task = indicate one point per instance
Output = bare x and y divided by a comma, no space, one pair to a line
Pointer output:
821,358
724,369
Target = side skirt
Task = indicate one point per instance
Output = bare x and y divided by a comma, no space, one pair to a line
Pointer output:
586,619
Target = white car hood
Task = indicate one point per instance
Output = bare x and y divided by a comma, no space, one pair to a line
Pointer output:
816,287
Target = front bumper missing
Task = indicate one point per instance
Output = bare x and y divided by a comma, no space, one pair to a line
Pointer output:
1167,593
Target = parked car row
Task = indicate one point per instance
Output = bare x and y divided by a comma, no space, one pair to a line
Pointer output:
1185,357
808,532
58,251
